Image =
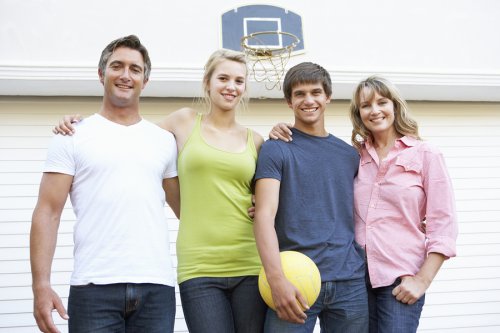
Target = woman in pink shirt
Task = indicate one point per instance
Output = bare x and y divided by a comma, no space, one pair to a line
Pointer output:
405,215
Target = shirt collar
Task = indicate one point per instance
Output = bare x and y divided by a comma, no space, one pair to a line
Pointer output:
409,141
365,157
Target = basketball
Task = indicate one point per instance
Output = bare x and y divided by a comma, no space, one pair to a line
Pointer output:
301,271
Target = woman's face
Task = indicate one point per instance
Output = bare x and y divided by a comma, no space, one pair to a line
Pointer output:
376,111
227,84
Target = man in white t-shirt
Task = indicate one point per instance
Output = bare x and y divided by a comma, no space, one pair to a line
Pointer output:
118,170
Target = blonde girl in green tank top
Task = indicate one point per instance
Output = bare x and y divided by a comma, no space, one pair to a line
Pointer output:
218,262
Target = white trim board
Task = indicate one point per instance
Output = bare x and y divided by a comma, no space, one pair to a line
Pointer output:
47,80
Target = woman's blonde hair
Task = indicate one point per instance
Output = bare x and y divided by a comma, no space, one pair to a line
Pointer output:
404,124
213,61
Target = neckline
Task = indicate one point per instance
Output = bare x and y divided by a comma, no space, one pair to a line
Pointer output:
118,125
200,134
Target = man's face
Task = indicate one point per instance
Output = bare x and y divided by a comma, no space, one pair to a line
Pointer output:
123,78
308,102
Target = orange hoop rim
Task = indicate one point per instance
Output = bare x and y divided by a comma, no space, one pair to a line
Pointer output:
273,51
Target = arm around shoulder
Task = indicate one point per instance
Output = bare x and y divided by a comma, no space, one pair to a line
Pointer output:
177,120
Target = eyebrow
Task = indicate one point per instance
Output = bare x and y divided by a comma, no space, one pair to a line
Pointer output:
315,90
119,62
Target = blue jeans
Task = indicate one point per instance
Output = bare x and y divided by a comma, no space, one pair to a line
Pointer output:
388,315
223,305
121,307
342,306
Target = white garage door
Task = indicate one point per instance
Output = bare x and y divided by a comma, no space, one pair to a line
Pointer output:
465,297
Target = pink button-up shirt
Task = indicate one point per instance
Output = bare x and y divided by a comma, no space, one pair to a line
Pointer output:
392,197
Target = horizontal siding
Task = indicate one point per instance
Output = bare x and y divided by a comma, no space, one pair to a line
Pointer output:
465,296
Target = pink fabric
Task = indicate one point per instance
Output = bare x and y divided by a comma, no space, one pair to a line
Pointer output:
392,198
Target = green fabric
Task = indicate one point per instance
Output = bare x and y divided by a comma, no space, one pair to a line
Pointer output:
215,234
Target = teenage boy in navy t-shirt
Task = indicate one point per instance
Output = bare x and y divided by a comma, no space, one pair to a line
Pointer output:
304,202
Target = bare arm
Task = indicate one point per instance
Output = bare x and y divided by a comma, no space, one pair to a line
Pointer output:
412,288
54,189
172,194
285,295
180,124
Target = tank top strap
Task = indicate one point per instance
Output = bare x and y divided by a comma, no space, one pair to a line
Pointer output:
197,126
251,142
195,134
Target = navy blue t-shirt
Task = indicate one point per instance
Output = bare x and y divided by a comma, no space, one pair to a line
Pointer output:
315,211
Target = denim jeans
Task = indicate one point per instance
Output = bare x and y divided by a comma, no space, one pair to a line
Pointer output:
388,315
342,306
121,307
223,305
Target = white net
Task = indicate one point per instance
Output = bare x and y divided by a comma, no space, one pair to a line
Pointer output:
268,63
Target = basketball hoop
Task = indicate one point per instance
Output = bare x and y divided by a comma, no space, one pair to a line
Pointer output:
267,62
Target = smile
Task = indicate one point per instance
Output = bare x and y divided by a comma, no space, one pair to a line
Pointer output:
309,110
229,96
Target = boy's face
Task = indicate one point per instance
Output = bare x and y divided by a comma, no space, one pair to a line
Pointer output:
308,102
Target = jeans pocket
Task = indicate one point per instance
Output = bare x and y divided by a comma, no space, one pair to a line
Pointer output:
83,286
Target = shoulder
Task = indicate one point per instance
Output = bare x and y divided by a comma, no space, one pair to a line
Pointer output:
428,147
341,142
343,146
178,120
420,148
258,140
84,128
59,140
422,154
271,144
272,148
184,114
89,122
160,133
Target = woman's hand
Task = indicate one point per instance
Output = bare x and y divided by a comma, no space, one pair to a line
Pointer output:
65,126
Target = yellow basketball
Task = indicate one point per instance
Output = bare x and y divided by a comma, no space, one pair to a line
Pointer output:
301,271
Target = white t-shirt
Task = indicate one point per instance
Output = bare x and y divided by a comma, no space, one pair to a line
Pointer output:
121,233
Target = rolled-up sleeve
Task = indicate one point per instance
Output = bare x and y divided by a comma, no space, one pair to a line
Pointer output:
441,216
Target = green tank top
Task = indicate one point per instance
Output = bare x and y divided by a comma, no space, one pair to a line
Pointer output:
215,236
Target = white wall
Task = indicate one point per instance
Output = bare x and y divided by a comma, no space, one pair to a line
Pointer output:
435,50
465,296
428,35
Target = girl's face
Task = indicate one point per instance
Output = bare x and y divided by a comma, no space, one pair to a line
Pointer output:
227,85
376,111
